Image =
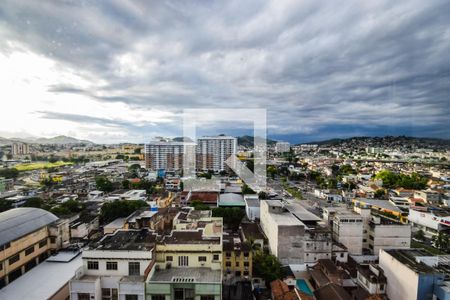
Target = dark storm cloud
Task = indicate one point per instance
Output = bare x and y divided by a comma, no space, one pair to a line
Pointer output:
314,65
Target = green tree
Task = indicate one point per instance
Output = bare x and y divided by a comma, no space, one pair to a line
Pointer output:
60,211
380,194
397,180
331,183
346,170
267,266
119,209
34,202
9,173
232,217
73,206
420,235
52,159
5,205
126,184
262,195
441,241
68,208
271,171
198,205
133,169
104,184
207,175
246,189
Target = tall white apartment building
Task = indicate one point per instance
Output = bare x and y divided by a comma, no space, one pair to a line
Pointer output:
20,149
213,151
282,147
166,154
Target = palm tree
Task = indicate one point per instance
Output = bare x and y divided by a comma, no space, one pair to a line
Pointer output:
441,241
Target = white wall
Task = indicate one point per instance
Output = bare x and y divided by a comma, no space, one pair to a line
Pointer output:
402,282
390,237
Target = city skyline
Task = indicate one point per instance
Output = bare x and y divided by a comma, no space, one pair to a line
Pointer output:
123,71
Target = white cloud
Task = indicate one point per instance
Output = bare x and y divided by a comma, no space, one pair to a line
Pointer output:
126,69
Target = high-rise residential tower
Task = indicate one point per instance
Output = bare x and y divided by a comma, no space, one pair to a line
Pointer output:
213,151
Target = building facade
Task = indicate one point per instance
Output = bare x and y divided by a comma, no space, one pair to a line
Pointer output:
408,277
293,233
188,261
25,241
212,152
238,258
282,147
348,230
166,154
115,268
387,234
20,149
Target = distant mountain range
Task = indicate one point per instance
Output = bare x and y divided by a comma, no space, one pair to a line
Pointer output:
385,141
59,140
247,141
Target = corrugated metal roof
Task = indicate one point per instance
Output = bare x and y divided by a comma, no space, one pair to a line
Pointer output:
17,222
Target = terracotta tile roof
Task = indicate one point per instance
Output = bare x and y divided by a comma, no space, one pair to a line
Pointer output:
280,291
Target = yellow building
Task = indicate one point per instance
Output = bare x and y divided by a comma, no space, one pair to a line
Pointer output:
188,262
25,241
237,258
382,207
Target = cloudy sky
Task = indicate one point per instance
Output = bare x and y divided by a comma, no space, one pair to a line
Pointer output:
112,71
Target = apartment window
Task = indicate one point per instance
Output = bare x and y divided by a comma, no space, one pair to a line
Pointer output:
183,261
158,297
246,263
237,264
29,250
92,265
216,257
131,297
238,273
245,273
245,254
14,259
134,268
84,296
111,265
228,254
202,258
5,246
209,297
1,266
106,294
43,243
52,240
184,294
169,258
228,263
109,294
